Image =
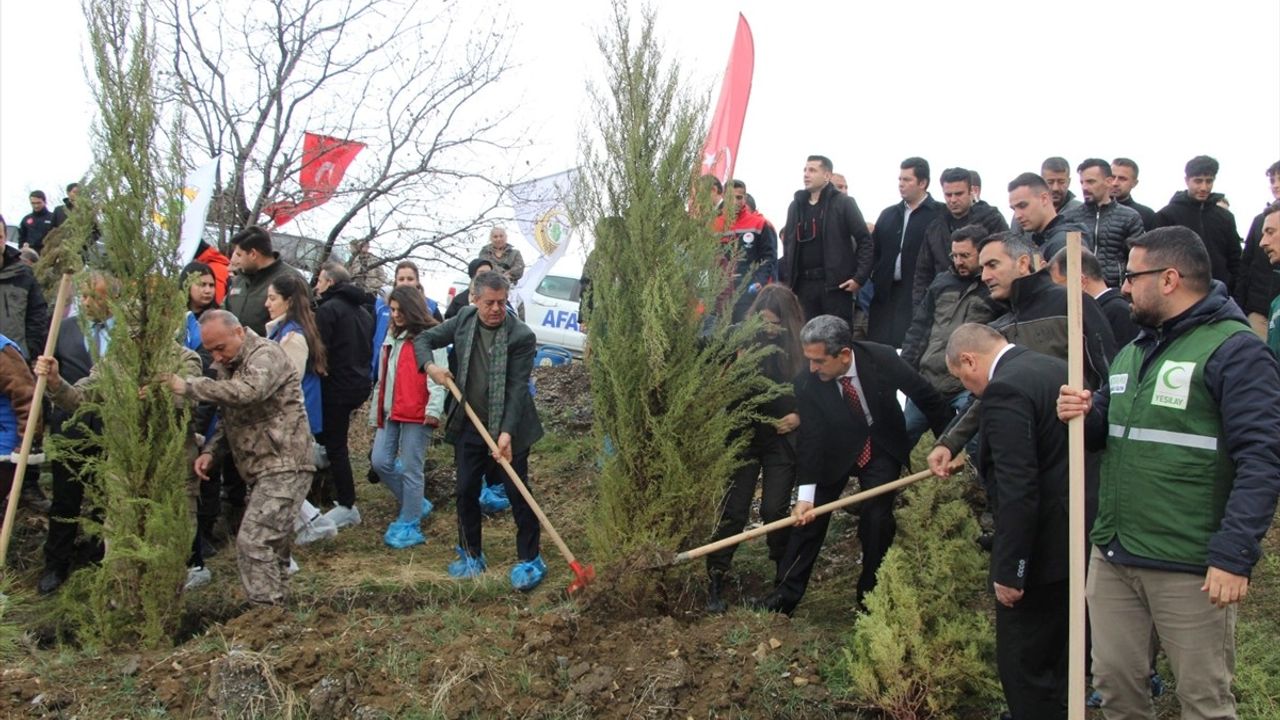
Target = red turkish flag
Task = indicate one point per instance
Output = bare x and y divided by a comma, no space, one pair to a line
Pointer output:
721,150
324,161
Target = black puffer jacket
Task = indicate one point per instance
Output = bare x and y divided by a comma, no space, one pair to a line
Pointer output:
1054,236
1113,226
935,255
345,320
1216,227
1256,283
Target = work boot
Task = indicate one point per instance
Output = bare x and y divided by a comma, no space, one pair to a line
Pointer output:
715,589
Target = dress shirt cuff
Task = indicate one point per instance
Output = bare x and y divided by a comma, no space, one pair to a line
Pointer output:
805,493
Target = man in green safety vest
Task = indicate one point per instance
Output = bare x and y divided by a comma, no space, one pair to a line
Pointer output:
1187,427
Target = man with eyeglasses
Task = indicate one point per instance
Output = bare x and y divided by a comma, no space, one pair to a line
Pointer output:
1189,482
954,298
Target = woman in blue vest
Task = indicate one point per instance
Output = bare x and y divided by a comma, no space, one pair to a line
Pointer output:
201,286
293,325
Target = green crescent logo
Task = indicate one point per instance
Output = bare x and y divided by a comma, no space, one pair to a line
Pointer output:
1166,378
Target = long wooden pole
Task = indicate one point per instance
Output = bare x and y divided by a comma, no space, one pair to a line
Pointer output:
790,520
33,420
511,473
1075,430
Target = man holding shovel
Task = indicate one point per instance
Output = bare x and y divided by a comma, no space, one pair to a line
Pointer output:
851,424
495,353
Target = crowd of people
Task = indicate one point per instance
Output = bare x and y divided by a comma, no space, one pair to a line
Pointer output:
943,302
274,371
1181,400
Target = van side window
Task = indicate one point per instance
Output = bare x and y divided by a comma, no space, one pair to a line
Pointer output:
560,288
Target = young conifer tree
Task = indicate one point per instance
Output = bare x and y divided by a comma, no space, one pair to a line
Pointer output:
137,477
671,383
925,648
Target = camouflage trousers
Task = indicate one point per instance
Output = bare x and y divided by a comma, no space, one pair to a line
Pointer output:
265,539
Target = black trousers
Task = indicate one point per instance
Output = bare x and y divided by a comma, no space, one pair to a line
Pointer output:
337,425
876,528
816,299
473,462
64,516
1031,652
6,483
777,458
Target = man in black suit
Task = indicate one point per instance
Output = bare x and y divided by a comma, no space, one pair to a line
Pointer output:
1023,459
850,424
1115,306
79,346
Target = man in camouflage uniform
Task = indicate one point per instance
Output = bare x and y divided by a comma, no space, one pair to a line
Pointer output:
264,426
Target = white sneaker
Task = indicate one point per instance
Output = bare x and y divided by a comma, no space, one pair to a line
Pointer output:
320,527
197,576
293,567
343,516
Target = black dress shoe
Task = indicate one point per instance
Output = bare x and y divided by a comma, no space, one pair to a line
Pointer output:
33,498
715,601
51,581
772,602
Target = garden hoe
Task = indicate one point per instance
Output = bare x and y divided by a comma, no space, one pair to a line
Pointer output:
583,575
790,520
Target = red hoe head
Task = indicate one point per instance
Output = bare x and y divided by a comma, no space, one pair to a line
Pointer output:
582,576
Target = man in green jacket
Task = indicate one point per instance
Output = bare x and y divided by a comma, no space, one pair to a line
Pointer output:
495,353
1190,477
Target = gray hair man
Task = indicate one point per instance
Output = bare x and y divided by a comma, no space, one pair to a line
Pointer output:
264,428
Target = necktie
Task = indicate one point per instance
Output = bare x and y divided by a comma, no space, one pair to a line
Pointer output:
851,397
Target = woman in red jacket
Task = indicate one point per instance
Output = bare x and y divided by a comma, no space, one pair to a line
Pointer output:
399,409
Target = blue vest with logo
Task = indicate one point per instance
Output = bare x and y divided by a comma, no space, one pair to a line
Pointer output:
310,381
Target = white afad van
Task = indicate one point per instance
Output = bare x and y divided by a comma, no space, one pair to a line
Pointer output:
552,310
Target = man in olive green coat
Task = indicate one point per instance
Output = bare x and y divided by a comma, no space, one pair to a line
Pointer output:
495,353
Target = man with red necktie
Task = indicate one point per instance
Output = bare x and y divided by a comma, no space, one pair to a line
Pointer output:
850,425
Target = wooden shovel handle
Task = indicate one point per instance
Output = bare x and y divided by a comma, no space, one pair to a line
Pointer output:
511,472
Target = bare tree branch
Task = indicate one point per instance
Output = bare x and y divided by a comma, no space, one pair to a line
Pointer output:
405,77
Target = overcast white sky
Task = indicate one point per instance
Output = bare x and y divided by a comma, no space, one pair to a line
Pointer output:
993,86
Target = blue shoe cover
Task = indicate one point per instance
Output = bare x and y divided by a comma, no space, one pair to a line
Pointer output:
466,566
491,502
427,507
528,575
402,535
